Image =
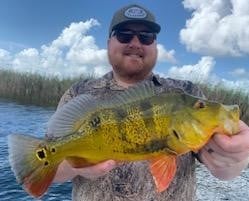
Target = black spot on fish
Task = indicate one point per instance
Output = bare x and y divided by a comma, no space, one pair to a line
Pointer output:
53,150
152,146
184,98
95,122
46,163
121,113
41,154
201,104
145,105
147,113
155,145
123,136
176,134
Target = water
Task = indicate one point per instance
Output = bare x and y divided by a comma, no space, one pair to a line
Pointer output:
15,118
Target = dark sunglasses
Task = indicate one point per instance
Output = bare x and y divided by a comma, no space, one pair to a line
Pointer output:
125,36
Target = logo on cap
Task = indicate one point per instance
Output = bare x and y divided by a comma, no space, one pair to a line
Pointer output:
135,12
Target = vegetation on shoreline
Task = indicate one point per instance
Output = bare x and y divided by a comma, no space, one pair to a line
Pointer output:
46,91
228,96
33,88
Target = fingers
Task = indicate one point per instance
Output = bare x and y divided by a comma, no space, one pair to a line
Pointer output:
233,157
232,144
227,156
97,170
236,143
214,160
64,172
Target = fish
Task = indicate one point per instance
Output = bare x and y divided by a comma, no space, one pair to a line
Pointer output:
135,125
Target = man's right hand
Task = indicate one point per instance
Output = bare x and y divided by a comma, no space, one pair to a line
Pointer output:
66,172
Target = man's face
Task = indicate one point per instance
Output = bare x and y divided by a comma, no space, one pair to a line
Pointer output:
132,58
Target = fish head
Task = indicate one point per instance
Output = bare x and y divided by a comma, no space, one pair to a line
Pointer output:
196,122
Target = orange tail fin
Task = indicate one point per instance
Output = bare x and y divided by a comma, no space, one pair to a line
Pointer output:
32,168
163,169
37,183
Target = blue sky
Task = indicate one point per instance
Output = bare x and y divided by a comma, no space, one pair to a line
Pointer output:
206,40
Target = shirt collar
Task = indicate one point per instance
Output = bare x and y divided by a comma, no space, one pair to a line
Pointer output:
107,81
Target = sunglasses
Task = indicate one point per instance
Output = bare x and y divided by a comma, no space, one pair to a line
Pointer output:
125,36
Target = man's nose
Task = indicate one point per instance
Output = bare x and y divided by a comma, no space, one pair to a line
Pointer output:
135,41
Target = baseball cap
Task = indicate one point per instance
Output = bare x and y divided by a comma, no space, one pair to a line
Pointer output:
134,13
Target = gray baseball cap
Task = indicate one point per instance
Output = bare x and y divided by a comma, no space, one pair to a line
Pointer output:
134,13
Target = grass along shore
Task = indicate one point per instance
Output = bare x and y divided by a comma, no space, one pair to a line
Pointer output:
33,89
46,91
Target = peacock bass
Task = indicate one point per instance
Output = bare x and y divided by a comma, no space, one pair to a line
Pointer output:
137,124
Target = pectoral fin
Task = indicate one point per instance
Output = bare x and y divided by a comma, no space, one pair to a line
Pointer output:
163,169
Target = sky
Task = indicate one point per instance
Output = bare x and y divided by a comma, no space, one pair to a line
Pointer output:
206,41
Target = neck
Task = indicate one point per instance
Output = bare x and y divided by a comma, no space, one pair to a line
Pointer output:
127,81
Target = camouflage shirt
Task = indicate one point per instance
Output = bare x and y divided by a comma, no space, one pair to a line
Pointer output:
133,181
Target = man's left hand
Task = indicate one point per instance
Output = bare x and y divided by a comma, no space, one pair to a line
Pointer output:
226,156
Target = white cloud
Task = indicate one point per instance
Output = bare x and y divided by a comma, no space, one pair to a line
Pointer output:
199,72
240,73
165,55
240,85
72,53
217,27
203,72
26,59
5,58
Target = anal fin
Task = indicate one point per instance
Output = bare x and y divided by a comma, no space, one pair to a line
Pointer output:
163,169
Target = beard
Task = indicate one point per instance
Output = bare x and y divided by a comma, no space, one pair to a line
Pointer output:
132,64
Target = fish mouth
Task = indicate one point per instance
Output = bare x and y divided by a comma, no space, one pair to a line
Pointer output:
231,124
231,127
230,121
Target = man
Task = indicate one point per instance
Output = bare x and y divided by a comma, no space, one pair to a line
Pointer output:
132,53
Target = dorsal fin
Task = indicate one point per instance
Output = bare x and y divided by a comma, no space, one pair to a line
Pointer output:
132,94
63,122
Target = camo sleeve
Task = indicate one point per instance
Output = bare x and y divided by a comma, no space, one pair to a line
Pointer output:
66,97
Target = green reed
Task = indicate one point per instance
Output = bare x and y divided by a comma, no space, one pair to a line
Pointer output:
33,88
229,96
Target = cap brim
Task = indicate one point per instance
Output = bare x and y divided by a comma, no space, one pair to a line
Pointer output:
151,25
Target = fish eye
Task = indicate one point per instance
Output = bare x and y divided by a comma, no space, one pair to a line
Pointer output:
199,104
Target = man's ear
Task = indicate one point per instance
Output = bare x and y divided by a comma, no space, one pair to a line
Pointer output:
108,41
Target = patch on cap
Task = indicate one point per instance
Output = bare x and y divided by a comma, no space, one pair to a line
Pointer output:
135,12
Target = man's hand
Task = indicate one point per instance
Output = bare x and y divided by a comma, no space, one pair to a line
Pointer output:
226,156
66,172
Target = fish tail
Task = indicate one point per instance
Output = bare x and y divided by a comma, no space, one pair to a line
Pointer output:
29,162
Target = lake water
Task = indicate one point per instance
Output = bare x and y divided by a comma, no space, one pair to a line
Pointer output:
15,118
